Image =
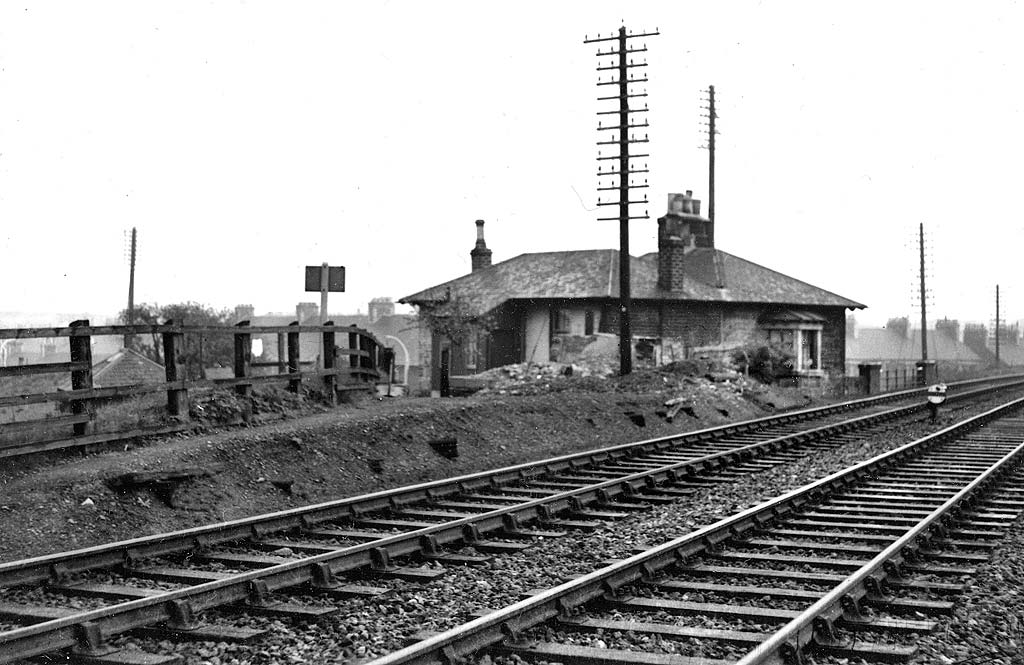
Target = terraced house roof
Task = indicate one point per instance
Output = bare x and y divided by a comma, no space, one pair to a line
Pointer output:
595,274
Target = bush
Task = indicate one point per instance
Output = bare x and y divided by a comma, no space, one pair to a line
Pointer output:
764,362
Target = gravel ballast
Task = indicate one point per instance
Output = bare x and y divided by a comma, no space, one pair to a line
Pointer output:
366,628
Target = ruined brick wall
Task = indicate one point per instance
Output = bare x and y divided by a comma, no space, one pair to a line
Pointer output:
833,339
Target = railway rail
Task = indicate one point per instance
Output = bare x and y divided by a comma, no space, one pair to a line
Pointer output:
877,548
166,580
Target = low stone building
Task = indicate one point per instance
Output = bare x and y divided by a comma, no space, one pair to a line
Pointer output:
688,299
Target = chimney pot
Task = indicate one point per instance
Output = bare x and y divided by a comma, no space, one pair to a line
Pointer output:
480,256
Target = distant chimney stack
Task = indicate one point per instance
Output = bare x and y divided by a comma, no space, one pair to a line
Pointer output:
900,326
307,312
950,327
481,256
379,308
244,313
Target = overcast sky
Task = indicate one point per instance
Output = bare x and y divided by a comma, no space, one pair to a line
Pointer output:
245,140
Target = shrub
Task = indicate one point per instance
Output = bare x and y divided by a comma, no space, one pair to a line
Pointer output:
764,362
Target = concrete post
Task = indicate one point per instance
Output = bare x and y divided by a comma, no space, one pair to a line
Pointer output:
927,372
871,377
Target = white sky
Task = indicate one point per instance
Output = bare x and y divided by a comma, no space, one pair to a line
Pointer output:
248,139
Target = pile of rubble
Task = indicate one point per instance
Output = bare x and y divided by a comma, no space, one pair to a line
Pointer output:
683,378
535,378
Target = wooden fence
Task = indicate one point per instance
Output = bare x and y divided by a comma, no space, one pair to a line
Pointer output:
351,367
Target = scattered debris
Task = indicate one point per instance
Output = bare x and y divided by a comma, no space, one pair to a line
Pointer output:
678,404
284,484
88,503
161,483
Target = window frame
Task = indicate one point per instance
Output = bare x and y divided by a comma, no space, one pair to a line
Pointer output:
797,331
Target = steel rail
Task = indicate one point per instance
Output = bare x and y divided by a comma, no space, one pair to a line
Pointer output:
58,565
320,569
788,642
511,621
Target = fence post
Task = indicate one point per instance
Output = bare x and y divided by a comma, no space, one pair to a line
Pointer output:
282,362
243,358
174,370
353,359
81,379
330,364
295,383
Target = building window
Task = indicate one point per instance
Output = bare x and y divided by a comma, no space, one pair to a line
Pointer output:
810,349
561,322
804,345
471,352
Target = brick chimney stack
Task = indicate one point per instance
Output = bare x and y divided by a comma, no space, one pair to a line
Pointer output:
244,313
481,256
307,312
680,231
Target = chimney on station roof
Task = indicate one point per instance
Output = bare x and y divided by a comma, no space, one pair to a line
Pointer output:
481,256
681,231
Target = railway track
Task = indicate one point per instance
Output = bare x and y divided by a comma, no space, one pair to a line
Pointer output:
854,565
162,583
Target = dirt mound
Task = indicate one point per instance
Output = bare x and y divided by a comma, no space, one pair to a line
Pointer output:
61,502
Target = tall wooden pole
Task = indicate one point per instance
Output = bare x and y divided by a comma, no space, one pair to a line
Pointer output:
997,326
924,296
711,162
621,68
324,282
131,291
625,301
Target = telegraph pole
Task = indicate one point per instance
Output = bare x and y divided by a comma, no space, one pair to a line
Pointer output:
924,295
712,116
131,291
620,64
997,326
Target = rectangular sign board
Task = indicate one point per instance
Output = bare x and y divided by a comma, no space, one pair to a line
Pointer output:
335,278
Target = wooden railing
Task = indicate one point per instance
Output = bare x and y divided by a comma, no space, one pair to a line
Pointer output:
350,367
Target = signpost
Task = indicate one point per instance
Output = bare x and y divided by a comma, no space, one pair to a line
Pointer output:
324,278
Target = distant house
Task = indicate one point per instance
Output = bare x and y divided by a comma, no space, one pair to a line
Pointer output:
127,367
897,346
688,299
390,329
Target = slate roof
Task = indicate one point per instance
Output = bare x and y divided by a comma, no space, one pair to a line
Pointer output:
127,368
881,344
595,274
1009,354
124,368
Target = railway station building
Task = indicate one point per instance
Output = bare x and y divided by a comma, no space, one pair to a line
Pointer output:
689,300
